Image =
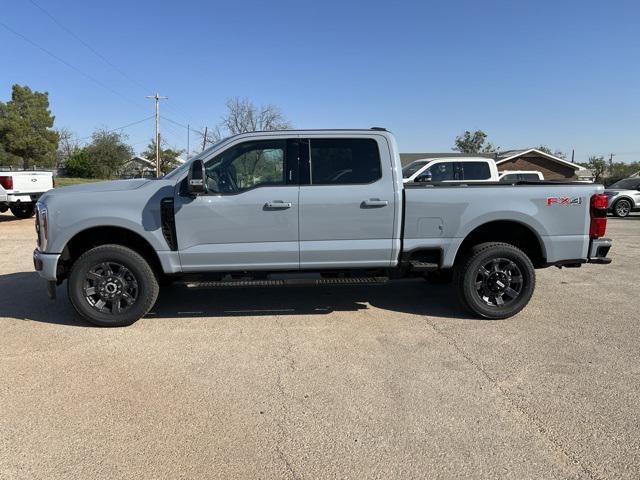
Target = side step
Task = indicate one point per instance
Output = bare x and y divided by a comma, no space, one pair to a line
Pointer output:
423,266
288,282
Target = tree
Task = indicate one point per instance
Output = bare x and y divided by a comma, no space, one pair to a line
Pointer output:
168,156
79,164
597,165
26,127
474,142
67,146
108,153
557,153
244,116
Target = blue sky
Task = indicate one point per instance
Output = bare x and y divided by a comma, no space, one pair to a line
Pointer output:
561,73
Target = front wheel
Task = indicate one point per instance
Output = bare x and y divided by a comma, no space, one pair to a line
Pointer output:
23,210
112,286
495,280
622,208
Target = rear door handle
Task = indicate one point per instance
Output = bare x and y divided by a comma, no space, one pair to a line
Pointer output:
374,203
277,205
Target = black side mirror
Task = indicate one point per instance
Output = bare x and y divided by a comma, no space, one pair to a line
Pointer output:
424,177
197,179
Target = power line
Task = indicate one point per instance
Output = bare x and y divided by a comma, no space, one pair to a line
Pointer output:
122,127
73,67
95,52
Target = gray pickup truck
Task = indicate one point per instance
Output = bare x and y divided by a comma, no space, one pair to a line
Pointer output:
258,209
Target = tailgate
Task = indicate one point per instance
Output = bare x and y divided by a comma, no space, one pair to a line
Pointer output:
32,182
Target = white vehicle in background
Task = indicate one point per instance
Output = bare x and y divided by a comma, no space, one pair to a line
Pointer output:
20,190
451,169
520,176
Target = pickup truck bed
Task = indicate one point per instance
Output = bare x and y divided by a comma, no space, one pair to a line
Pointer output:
327,202
19,190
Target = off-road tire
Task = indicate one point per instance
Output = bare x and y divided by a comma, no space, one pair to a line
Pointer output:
135,264
23,210
467,273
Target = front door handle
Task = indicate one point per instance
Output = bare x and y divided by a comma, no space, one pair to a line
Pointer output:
277,205
374,203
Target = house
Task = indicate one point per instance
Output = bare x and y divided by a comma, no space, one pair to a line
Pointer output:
552,167
139,167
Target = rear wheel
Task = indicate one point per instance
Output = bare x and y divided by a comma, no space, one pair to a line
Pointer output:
495,280
622,208
23,210
112,286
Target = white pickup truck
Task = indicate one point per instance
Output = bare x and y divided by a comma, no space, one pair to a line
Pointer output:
20,190
451,169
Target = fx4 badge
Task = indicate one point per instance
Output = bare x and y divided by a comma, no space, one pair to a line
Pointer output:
564,201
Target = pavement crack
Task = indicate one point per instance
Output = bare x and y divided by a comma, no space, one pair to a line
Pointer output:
535,421
289,364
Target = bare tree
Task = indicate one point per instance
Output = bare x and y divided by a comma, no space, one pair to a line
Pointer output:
243,116
67,145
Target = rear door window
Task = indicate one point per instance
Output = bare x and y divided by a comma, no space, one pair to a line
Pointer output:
340,161
475,171
529,177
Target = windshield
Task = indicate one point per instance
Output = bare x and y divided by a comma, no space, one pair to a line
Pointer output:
627,183
413,167
176,172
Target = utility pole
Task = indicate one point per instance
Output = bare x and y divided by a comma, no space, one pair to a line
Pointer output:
204,139
188,131
157,98
573,155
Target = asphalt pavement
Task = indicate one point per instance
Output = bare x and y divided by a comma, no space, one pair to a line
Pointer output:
391,381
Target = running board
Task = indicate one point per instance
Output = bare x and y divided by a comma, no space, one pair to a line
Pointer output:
314,282
423,266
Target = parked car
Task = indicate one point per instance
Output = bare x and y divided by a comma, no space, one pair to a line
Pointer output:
468,169
331,203
520,176
19,191
624,196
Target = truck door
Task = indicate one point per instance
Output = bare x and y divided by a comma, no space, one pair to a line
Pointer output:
347,204
248,220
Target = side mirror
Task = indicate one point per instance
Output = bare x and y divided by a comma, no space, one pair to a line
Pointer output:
197,179
424,177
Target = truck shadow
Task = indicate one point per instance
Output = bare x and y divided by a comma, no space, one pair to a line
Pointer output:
23,297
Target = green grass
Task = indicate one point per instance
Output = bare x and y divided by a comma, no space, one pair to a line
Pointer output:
65,181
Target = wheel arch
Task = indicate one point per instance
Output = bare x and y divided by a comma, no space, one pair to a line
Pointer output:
513,232
89,238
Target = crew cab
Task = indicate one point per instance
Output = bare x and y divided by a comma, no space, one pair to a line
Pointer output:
257,209
19,190
451,169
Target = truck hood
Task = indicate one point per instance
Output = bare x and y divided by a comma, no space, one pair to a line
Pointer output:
110,186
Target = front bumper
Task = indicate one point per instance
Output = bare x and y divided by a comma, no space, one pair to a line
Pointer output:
46,264
599,249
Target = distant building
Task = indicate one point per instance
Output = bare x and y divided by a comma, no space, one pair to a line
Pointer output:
141,167
552,167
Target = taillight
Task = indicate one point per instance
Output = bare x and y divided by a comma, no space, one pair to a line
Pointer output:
6,182
598,211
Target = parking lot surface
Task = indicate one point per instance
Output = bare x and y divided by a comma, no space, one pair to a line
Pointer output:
392,381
